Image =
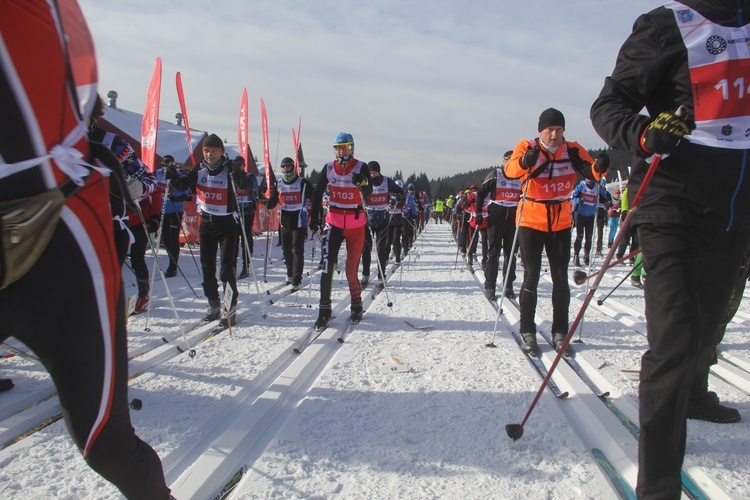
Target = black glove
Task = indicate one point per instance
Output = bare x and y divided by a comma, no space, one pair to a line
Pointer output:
575,158
170,172
314,225
602,163
662,135
479,219
153,224
530,157
234,169
359,180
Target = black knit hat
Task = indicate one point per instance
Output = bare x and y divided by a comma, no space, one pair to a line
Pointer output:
374,166
549,118
213,141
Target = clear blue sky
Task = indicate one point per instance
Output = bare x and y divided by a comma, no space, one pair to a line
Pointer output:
424,86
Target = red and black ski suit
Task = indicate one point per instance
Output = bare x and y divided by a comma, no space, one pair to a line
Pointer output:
69,307
345,221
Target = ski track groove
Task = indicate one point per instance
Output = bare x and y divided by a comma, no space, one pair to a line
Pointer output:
605,424
200,469
22,418
257,415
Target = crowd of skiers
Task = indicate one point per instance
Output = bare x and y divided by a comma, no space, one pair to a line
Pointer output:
86,225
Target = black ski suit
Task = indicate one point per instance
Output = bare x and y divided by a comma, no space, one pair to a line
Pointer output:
692,222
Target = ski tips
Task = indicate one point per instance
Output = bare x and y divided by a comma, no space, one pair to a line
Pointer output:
579,277
515,431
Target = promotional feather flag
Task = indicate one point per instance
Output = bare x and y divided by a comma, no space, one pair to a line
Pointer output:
150,123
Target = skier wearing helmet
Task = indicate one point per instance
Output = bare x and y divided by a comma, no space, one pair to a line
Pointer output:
348,182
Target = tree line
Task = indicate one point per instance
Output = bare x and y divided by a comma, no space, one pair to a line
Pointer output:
442,187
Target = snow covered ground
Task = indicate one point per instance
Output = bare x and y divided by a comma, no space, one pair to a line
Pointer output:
412,405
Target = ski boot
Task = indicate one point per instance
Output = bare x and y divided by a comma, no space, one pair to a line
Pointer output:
529,345
214,310
356,314
489,294
6,384
509,293
636,281
559,339
324,316
141,305
365,280
704,404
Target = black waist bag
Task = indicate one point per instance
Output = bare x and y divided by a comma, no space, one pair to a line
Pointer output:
26,225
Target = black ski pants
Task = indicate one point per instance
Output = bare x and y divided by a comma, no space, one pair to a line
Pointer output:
170,237
248,212
557,247
138,258
293,247
474,236
691,273
501,229
382,249
218,235
584,227
395,228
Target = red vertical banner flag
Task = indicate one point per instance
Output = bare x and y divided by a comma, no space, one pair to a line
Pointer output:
183,110
294,144
266,148
243,134
297,144
150,123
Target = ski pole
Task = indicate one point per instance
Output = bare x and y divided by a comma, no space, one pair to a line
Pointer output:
190,350
592,255
247,249
268,248
506,273
190,248
382,272
312,268
632,270
515,431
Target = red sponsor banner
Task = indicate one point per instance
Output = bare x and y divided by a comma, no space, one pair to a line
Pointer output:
294,143
150,123
266,149
243,133
183,110
297,141
721,90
